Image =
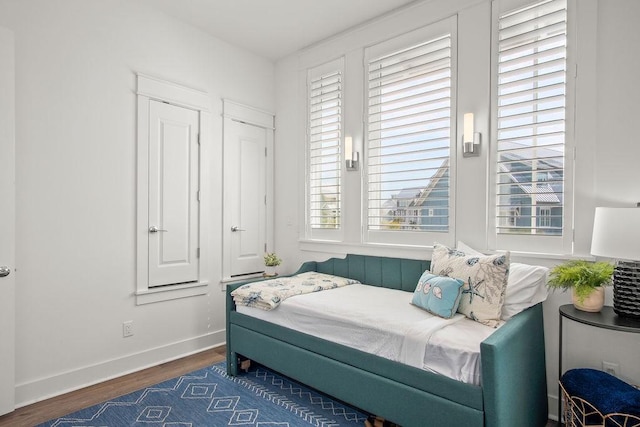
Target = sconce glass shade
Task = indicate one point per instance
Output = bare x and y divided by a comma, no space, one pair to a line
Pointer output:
468,127
470,138
616,234
348,148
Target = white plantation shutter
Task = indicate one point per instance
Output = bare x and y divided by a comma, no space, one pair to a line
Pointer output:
531,126
409,136
325,157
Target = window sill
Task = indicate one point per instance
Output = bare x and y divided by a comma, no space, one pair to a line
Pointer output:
422,252
166,293
549,257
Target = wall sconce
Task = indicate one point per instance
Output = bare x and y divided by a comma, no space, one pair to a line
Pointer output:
350,156
470,139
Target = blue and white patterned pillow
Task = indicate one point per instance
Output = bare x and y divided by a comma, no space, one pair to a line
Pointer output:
438,295
485,281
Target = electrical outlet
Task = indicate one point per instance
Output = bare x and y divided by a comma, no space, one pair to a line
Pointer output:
611,368
127,328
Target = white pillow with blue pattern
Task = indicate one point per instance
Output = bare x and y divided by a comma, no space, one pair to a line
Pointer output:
438,295
485,281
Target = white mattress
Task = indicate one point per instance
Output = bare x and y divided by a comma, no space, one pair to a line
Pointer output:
384,322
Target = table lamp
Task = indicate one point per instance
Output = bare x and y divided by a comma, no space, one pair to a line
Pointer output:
616,234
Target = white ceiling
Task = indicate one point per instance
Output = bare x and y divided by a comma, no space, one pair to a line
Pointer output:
275,28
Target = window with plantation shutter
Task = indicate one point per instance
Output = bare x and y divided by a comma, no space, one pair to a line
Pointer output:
531,120
409,135
324,149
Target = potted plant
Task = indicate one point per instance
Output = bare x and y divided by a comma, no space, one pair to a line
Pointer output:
271,261
586,280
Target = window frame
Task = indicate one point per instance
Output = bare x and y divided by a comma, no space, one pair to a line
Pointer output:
561,244
315,233
408,237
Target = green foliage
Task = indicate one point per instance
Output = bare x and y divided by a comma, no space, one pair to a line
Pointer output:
581,275
271,259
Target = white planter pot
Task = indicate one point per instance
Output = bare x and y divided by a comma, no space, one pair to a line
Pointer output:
270,271
592,303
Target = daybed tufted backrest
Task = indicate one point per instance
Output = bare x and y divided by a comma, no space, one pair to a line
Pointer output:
394,273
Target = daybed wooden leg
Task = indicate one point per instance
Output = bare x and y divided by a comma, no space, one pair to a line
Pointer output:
375,421
245,364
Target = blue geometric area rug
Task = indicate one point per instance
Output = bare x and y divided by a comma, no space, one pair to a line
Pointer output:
210,398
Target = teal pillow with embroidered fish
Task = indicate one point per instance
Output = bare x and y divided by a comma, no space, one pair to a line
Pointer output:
438,295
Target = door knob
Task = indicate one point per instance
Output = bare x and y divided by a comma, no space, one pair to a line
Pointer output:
4,271
235,228
154,229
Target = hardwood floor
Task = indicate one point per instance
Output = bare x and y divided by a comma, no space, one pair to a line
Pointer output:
59,406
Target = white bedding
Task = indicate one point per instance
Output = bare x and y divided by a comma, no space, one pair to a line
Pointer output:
383,322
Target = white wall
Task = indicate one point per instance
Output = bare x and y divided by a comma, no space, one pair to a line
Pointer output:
617,175
76,180
606,172
75,94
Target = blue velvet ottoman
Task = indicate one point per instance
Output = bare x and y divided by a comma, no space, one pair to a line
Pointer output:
595,398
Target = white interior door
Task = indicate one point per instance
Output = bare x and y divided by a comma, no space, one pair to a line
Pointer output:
245,197
173,194
7,223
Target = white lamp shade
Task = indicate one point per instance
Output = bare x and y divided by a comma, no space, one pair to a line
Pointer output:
616,233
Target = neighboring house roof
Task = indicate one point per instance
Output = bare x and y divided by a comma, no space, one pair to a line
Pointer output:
418,196
545,192
441,172
407,193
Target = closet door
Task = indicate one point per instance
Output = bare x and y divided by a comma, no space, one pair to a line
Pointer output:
7,223
245,191
248,190
173,194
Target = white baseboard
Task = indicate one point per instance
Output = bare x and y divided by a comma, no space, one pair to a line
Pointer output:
55,385
553,407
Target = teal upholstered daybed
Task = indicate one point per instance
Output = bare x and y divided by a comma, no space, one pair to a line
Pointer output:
513,390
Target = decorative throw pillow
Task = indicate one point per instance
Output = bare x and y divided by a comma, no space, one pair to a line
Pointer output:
438,295
485,281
